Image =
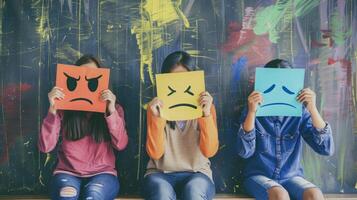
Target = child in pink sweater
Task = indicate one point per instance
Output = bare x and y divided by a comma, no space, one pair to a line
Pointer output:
86,160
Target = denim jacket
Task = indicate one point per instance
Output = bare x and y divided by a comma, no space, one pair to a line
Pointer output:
274,147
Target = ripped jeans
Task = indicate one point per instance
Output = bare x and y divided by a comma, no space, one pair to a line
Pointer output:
98,187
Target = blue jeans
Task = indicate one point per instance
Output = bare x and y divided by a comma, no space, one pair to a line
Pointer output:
186,185
98,187
258,186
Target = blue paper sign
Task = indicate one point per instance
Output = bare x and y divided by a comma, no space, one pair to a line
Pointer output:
279,88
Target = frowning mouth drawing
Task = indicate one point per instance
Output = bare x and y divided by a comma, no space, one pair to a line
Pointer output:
82,99
183,104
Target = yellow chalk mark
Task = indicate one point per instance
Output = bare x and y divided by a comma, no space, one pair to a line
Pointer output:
44,29
79,28
67,53
196,54
145,106
40,178
150,29
48,158
193,52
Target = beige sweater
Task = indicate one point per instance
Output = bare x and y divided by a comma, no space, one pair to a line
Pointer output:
176,150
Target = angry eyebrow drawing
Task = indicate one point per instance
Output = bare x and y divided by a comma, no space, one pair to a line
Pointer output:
93,83
279,88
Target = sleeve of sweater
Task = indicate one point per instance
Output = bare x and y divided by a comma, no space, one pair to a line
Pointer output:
116,126
49,134
209,134
155,138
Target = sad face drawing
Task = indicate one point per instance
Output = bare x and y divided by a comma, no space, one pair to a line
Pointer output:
279,88
82,87
180,93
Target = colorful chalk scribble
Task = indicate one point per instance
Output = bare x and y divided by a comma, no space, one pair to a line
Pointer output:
228,39
150,29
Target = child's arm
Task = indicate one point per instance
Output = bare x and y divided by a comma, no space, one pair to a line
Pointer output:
116,126
155,138
315,131
115,120
246,133
208,133
308,97
245,139
51,125
319,139
49,134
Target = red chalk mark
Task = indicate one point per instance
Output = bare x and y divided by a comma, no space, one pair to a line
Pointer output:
11,95
233,36
10,100
335,75
315,61
317,44
244,42
327,40
346,64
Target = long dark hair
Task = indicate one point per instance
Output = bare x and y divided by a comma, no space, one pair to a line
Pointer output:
77,124
278,63
171,61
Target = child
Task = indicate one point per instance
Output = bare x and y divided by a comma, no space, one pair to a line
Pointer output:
179,150
86,160
274,144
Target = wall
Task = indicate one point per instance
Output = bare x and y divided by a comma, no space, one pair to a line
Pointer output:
228,39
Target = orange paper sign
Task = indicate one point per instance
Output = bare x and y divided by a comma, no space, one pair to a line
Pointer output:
82,87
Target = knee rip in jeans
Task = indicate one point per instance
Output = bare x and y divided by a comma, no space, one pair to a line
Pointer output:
95,187
68,192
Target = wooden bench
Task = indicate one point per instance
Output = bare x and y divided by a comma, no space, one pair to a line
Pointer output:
218,197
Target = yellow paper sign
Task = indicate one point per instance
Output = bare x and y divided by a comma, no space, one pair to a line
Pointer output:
180,94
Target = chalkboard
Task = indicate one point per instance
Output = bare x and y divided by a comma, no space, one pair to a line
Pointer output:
228,40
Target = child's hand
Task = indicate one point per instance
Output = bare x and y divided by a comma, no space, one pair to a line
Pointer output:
107,95
254,99
156,105
308,97
55,93
206,103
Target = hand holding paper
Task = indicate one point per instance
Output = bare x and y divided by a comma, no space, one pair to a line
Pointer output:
55,93
156,105
254,100
110,98
206,103
308,97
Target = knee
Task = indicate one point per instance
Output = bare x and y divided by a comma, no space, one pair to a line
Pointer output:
313,194
68,191
157,188
278,193
192,192
194,189
94,191
198,189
